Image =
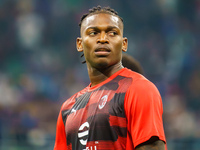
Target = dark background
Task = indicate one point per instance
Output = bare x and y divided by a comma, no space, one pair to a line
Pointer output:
40,67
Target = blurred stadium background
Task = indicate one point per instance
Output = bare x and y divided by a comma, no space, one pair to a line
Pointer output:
40,67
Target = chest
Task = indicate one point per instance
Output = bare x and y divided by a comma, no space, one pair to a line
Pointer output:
98,109
97,117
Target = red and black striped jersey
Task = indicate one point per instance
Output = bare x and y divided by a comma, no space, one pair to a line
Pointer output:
118,114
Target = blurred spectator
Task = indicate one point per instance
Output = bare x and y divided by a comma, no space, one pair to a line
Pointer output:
131,63
29,25
180,121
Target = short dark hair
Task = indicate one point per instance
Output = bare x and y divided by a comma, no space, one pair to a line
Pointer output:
99,9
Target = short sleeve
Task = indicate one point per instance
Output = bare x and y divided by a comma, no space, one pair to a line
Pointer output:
60,141
143,108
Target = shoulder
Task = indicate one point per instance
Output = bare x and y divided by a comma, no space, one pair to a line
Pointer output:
139,82
141,90
133,75
70,101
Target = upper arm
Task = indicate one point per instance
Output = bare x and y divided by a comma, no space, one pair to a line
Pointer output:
152,144
143,106
60,141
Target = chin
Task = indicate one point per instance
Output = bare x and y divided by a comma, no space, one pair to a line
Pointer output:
102,65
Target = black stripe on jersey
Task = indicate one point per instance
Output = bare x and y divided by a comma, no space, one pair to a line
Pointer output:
73,140
110,85
121,131
113,84
65,113
118,78
85,97
100,129
117,105
81,102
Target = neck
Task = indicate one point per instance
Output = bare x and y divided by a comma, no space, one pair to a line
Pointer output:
99,75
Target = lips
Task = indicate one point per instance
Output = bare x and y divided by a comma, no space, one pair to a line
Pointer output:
102,51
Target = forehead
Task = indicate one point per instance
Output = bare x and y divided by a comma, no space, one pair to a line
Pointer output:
101,19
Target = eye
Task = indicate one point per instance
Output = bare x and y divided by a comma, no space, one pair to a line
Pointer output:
112,33
92,33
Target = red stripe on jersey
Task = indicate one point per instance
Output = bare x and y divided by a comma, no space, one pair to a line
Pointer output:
117,121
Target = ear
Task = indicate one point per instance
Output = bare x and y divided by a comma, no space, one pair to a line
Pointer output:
125,44
79,46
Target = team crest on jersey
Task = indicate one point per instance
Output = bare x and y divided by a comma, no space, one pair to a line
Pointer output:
103,101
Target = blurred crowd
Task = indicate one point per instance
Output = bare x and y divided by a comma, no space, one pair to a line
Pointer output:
40,67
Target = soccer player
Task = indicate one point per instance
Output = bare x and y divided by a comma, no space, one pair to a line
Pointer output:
120,109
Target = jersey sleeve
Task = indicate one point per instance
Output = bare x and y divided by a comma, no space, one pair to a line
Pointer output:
143,108
60,141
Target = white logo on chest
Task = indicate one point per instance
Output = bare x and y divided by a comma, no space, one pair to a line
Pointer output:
83,134
103,101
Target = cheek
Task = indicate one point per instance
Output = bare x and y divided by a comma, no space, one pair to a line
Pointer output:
87,44
118,45
87,47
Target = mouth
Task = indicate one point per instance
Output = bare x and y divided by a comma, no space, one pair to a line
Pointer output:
102,51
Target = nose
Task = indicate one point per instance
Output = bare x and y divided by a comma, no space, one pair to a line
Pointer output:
102,38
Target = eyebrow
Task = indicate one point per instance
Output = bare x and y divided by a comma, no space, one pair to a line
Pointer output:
107,28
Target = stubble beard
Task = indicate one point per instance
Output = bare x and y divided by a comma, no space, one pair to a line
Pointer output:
101,66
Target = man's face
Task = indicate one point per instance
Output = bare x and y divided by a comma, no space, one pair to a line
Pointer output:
102,40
